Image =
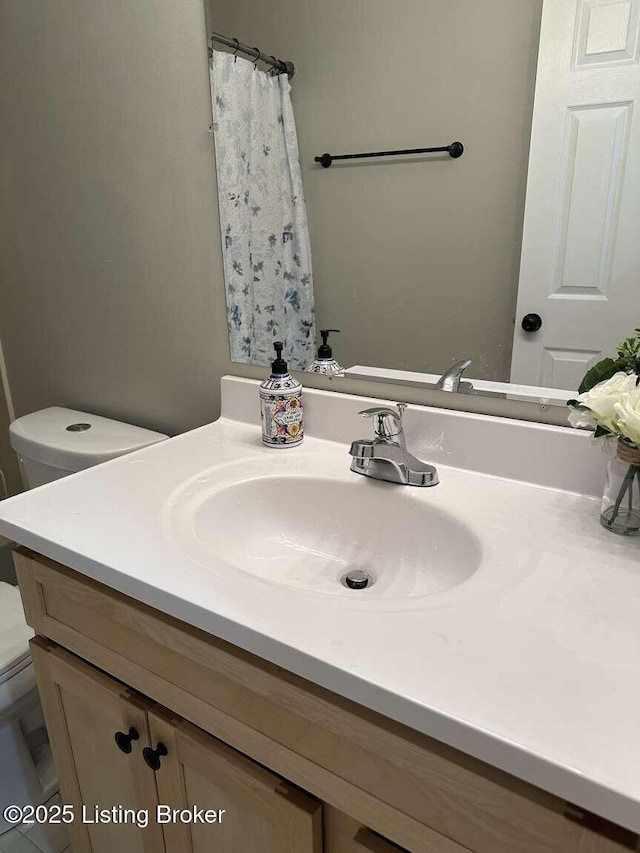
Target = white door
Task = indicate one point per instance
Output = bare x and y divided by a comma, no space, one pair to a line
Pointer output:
580,268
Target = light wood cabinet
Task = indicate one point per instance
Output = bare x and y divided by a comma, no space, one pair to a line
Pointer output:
343,834
84,710
114,748
237,726
261,811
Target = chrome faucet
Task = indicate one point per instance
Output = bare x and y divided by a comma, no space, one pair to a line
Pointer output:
450,379
386,457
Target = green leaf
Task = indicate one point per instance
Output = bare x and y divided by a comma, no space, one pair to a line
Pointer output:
629,353
600,372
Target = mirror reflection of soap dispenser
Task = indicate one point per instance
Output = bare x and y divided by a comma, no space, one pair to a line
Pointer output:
325,362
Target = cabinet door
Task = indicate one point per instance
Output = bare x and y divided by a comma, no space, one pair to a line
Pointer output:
262,813
343,834
84,709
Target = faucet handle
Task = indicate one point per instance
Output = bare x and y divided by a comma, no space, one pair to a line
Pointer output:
388,421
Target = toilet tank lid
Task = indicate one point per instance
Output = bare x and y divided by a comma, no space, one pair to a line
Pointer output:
72,440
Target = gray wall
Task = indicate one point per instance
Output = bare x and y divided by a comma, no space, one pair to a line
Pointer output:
110,276
8,459
416,262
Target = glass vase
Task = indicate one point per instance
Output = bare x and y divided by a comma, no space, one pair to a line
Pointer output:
621,499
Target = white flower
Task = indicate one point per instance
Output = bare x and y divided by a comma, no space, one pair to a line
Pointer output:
628,411
581,419
603,398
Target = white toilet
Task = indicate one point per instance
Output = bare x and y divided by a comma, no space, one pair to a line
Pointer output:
51,444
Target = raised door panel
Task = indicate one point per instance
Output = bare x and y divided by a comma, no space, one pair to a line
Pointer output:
84,709
593,175
607,32
252,810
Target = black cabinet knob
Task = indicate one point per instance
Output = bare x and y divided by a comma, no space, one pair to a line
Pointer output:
124,740
152,756
532,322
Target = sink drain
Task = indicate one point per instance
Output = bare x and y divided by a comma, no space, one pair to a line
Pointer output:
357,579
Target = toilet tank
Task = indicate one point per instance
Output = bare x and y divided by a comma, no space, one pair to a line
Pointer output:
55,442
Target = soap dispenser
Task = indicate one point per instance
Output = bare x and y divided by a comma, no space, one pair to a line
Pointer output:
325,362
281,405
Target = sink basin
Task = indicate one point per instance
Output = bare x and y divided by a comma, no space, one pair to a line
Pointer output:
309,532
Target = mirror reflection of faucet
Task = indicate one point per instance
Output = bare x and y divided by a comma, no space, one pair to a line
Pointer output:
451,379
385,457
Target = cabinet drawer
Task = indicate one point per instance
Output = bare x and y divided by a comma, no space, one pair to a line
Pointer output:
412,789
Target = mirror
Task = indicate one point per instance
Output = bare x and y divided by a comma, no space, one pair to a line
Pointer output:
424,260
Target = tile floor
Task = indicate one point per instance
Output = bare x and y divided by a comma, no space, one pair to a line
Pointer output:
37,838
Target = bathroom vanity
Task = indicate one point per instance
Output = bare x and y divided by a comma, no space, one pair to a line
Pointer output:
196,649
295,767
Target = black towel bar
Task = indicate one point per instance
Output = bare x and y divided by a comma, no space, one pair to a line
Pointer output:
455,150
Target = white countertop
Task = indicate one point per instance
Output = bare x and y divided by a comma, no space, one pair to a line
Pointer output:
532,664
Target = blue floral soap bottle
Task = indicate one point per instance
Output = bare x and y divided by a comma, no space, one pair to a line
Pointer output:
281,405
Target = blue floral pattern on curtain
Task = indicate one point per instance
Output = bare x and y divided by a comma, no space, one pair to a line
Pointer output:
263,217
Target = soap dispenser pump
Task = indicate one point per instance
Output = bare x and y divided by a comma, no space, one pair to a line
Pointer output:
281,405
325,362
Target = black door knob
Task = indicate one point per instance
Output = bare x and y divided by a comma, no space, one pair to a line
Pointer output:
532,322
124,740
152,756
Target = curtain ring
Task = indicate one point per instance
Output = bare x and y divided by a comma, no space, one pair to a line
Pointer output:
275,64
235,52
255,64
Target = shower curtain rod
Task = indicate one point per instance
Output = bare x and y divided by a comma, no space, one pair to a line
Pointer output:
255,53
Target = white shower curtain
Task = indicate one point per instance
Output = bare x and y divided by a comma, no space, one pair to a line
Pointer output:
265,239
